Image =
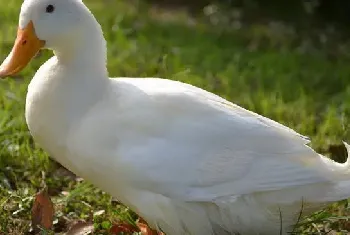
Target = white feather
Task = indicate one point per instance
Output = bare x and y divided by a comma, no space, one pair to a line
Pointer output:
186,160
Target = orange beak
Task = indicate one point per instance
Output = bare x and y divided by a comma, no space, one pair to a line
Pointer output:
26,46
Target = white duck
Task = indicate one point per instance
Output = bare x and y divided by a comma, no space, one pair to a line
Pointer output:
186,160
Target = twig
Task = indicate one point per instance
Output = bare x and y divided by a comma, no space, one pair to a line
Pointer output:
300,214
281,221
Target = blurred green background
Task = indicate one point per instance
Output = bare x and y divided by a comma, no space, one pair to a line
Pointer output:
287,60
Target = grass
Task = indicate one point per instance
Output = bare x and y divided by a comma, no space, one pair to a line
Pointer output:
299,77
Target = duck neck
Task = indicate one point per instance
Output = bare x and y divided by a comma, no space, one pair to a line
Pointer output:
86,50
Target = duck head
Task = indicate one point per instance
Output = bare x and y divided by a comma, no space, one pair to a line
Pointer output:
60,25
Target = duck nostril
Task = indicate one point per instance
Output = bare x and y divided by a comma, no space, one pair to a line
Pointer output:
24,42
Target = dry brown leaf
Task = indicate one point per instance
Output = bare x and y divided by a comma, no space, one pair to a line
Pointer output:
145,229
42,211
123,228
126,228
81,228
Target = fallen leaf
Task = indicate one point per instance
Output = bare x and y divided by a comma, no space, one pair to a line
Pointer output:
145,229
42,211
142,227
81,228
123,228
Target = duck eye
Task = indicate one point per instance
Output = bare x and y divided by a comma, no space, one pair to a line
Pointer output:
50,8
